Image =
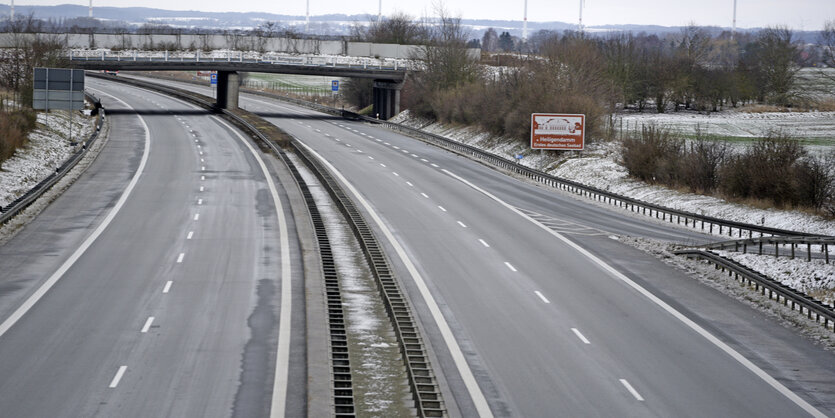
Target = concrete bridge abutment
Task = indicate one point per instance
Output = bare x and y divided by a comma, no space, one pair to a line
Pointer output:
228,84
386,98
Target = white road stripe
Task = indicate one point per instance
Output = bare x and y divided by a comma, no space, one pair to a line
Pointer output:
282,362
424,160
38,294
580,336
201,188
382,165
196,216
424,195
631,390
190,234
434,165
544,299
467,377
410,184
167,286
202,160
395,173
413,155
484,243
202,168
118,377
510,266
199,201
180,257
462,224
147,325
656,300
441,208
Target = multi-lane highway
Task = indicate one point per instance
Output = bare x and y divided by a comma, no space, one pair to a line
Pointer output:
156,285
530,303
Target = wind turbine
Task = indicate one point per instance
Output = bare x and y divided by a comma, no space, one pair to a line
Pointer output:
733,30
582,4
90,10
525,23
380,12
306,18
11,14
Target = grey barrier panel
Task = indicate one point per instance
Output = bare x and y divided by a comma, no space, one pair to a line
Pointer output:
58,88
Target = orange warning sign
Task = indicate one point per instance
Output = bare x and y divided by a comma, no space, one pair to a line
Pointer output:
558,132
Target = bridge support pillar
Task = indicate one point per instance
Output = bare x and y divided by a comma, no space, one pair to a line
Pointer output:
386,99
228,83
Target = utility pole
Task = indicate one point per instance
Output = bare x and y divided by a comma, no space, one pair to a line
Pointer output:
525,23
307,18
733,30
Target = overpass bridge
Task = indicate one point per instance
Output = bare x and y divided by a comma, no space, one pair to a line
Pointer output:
388,79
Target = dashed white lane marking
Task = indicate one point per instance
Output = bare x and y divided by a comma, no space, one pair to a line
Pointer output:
424,160
190,234
378,140
147,325
441,208
806,406
180,257
203,168
199,201
49,283
396,147
118,377
544,299
484,243
328,135
462,224
580,335
405,151
382,165
337,140
196,216
631,390
413,155
510,266
202,160
202,178
386,143
317,130
359,150
347,145
370,157
425,195
395,173
434,165
410,184
202,188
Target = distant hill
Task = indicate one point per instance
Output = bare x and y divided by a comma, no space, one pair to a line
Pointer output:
329,24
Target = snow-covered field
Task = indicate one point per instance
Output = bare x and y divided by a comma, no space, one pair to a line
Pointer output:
818,127
598,166
49,146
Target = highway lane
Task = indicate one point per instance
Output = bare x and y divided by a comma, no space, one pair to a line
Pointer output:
522,303
174,309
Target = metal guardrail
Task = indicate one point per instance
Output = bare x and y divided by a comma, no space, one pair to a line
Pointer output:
422,382
15,207
793,242
813,308
704,223
307,61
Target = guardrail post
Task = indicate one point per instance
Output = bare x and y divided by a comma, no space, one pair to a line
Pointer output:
826,253
776,249
102,55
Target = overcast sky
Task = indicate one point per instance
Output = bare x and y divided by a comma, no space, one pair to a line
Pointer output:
797,14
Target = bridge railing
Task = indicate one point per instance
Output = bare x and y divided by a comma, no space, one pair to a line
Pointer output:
245,57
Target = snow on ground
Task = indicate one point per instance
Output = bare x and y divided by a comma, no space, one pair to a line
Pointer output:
814,278
598,166
819,126
49,146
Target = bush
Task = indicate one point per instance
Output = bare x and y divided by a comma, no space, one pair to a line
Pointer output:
653,155
15,127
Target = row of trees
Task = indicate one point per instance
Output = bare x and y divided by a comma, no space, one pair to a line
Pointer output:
777,169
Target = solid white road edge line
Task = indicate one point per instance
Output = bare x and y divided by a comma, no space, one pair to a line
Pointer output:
664,305
464,370
580,336
35,297
632,390
118,377
282,363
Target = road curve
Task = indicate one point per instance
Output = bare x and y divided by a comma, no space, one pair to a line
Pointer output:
173,309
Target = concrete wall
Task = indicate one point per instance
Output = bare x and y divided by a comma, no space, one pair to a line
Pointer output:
233,42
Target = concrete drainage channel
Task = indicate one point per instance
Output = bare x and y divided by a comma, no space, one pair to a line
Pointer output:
425,393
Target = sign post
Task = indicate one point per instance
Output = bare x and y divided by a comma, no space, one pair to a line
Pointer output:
213,83
553,131
334,89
